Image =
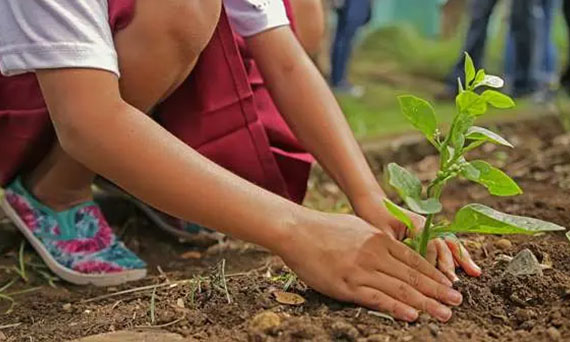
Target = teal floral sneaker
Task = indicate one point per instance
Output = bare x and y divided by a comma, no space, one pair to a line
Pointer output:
77,244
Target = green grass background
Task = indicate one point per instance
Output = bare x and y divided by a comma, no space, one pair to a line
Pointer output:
398,60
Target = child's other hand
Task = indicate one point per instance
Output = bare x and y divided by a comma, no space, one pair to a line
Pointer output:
445,253
346,258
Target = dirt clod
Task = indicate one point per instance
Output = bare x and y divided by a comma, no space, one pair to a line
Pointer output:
378,338
342,331
503,244
554,334
264,322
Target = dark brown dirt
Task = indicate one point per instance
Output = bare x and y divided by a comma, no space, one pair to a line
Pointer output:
496,307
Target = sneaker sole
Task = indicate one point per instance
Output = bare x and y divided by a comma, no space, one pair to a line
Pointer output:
71,276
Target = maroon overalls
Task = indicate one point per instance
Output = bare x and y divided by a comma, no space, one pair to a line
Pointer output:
222,110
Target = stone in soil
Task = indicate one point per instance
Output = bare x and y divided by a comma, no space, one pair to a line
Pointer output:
524,263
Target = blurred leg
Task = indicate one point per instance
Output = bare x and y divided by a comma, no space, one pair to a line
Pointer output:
352,16
565,80
476,39
524,31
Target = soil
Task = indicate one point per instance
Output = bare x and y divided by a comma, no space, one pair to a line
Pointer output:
497,307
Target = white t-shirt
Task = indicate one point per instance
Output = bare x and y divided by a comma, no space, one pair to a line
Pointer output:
43,34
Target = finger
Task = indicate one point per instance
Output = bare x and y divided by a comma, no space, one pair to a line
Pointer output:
462,256
406,255
419,222
377,300
406,294
445,260
423,283
431,255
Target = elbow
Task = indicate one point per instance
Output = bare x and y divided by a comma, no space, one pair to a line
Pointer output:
78,131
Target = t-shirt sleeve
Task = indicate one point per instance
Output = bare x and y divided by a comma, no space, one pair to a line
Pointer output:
250,17
45,34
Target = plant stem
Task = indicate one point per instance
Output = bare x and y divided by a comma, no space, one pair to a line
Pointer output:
425,235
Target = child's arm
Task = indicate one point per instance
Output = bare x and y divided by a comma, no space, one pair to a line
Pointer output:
311,110
339,255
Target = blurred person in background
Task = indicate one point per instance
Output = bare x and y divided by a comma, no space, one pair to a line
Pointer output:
352,15
565,80
531,64
523,32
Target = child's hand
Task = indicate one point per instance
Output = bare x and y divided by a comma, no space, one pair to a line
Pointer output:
445,253
346,258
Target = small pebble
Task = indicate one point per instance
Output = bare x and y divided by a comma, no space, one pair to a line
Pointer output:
407,338
434,329
66,307
180,303
2,336
503,244
554,334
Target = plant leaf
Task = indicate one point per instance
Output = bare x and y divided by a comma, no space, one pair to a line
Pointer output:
483,134
469,70
496,181
424,207
461,126
491,81
471,103
399,214
497,99
405,183
479,77
409,188
471,172
420,114
477,218
568,235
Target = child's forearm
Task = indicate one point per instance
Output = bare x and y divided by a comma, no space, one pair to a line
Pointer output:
311,110
121,143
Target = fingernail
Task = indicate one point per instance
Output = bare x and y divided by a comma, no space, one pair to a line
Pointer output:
452,276
443,313
455,297
475,266
411,315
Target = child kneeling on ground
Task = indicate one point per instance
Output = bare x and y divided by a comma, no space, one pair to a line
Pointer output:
79,79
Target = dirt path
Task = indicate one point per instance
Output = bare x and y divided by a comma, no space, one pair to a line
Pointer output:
189,303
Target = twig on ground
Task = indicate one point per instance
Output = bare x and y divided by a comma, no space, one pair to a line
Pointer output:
161,326
381,315
158,286
153,307
8,326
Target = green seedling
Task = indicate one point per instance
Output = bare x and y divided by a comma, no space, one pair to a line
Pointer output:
476,94
7,297
21,269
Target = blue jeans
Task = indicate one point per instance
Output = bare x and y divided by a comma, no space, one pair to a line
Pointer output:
522,30
542,67
476,39
353,15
